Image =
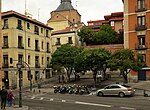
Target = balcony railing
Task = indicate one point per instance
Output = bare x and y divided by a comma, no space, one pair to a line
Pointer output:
140,47
5,65
58,43
70,42
48,51
5,27
140,9
5,46
37,65
20,27
20,46
36,32
37,48
140,27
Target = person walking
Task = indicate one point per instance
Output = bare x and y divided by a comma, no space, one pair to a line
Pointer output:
10,97
3,94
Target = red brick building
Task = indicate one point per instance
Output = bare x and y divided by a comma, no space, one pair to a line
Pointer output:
115,20
137,33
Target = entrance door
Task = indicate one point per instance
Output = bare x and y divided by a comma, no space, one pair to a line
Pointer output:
142,75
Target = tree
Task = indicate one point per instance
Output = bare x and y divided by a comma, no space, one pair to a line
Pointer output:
93,59
64,57
86,35
124,60
106,35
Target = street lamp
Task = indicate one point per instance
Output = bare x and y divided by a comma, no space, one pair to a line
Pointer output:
19,66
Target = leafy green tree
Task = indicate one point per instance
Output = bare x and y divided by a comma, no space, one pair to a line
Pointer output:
124,60
64,57
106,35
86,35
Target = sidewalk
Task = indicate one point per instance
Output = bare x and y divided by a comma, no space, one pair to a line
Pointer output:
17,108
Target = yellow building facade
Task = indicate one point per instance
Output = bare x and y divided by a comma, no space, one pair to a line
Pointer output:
28,41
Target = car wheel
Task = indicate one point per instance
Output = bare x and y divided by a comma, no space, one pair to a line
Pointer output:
100,94
121,94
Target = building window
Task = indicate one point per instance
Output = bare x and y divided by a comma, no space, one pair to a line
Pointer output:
5,24
141,20
5,60
36,30
48,61
37,45
112,23
141,23
5,41
46,33
20,57
29,42
58,41
20,44
142,58
141,42
70,40
42,60
28,25
29,59
19,24
48,48
37,63
141,4
41,30
42,45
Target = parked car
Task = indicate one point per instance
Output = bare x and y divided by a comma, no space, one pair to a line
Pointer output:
116,89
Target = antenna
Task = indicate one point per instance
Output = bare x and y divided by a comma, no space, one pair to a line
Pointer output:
76,4
25,7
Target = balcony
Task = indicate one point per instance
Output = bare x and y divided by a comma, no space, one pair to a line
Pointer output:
5,65
140,27
5,27
37,65
20,46
140,9
36,32
48,51
140,47
20,27
37,48
70,42
58,43
5,46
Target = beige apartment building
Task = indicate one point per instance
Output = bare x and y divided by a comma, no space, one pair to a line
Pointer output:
28,41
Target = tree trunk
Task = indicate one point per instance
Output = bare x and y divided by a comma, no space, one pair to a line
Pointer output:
125,77
94,77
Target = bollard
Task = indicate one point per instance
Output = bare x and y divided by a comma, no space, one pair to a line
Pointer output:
39,90
34,90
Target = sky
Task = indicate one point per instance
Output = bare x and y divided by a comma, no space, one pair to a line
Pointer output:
88,9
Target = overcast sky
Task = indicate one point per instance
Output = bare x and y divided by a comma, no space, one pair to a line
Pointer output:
89,9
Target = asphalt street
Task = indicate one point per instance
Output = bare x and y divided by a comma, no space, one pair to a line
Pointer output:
50,101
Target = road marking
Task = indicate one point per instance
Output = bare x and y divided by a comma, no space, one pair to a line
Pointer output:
32,97
85,103
63,100
128,108
51,99
41,98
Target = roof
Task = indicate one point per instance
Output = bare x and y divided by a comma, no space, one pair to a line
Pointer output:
12,13
65,5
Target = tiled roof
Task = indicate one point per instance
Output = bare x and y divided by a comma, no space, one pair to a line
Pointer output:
21,16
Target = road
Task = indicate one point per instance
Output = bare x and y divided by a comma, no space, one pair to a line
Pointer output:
50,101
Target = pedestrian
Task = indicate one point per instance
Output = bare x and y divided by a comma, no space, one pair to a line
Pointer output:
3,94
10,97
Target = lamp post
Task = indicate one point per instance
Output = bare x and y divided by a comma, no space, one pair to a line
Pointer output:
19,65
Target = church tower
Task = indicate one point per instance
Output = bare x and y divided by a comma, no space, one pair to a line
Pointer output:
65,15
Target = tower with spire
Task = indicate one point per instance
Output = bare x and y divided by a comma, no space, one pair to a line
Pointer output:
64,16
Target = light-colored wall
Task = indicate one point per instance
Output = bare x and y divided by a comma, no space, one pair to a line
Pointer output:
13,50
